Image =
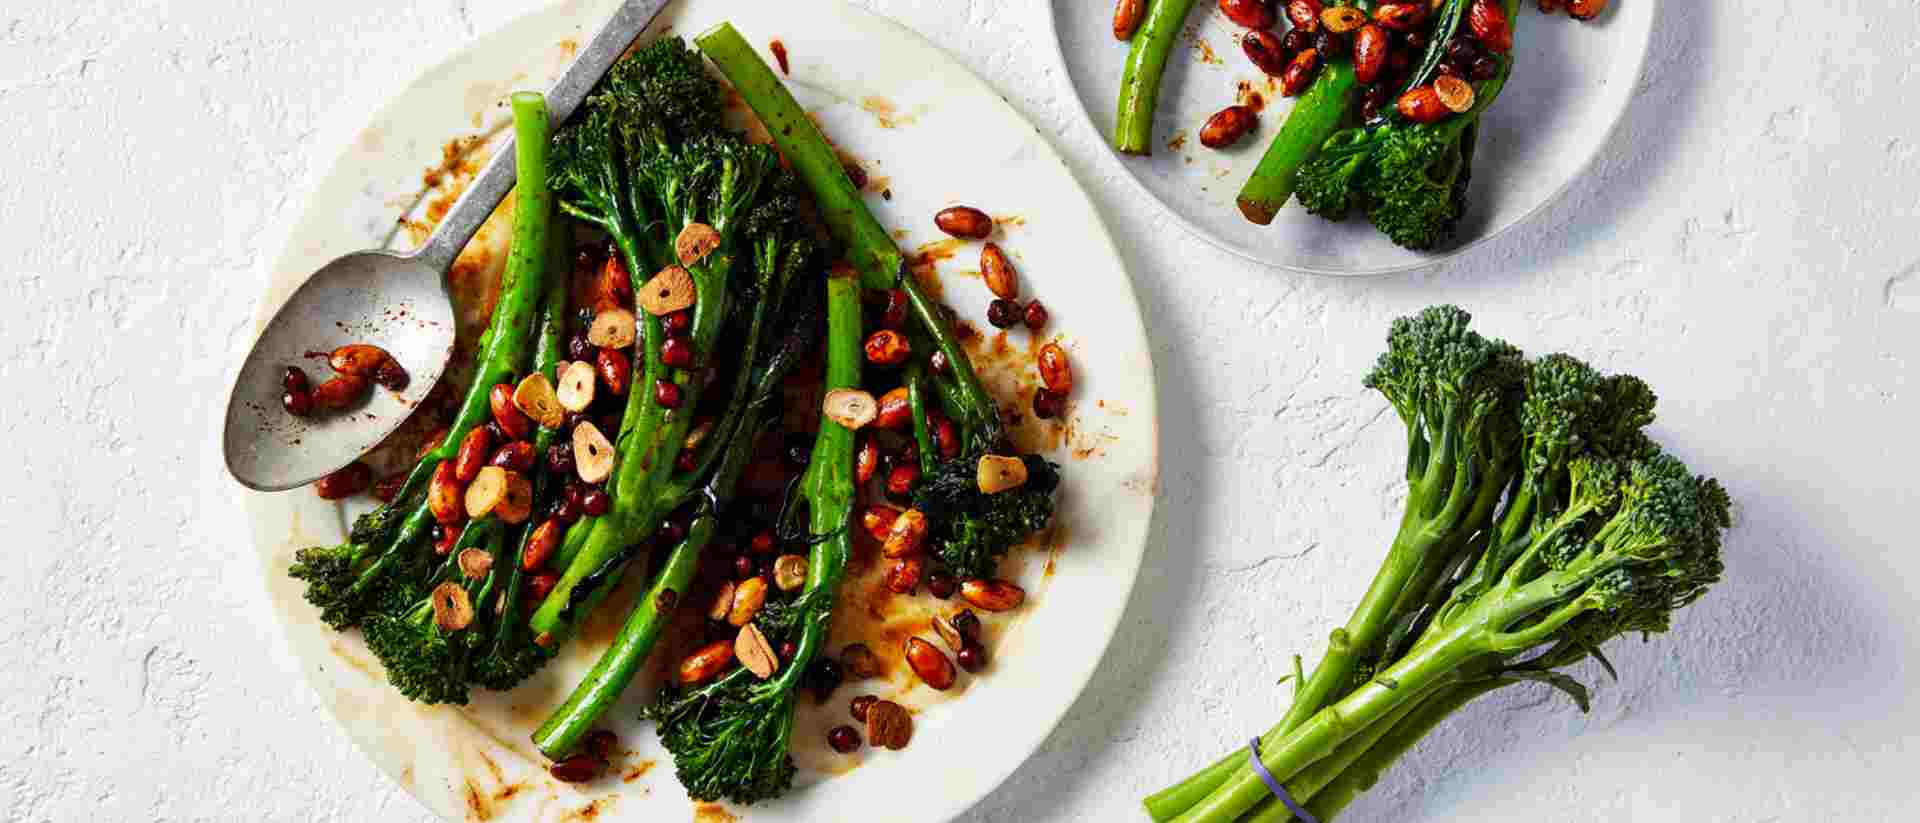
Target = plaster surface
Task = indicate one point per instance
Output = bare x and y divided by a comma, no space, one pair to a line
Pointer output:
1748,246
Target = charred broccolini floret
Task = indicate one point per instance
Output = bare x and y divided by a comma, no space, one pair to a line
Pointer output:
970,530
1409,178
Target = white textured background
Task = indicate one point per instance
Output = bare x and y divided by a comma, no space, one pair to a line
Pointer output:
1750,246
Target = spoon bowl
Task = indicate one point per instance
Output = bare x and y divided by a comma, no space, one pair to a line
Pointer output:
394,301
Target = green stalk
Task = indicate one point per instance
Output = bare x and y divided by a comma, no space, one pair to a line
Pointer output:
563,730
1140,79
922,426
1321,111
1325,771
828,482
1387,749
651,436
1430,665
1368,624
869,247
597,692
1462,652
506,339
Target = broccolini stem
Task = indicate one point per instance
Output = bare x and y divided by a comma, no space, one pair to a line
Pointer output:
1428,666
1346,647
1326,770
1140,79
828,482
922,427
601,688
521,292
869,247
1321,111
1387,749
546,360
651,436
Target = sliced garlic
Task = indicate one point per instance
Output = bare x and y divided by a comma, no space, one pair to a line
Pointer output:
592,452
667,292
851,408
576,387
997,473
612,328
695,242
535,397
452,611
486,491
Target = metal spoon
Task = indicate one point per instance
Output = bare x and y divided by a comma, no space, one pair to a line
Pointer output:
396,301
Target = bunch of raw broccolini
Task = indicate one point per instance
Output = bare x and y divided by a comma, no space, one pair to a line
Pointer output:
1541,522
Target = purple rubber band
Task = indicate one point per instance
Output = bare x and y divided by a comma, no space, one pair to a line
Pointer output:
1259,768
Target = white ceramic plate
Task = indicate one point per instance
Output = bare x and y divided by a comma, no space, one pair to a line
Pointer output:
941,136
1570,87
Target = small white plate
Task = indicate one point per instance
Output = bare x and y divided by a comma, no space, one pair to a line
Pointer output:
1571,85
918,119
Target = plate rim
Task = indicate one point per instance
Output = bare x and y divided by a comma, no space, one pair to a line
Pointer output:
354,113
1619,103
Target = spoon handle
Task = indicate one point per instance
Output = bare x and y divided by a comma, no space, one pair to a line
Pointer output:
493,182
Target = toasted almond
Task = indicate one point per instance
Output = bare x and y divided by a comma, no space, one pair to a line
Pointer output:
754,652
513,422
1126,18
948,634
932,666
487,490
358,359
612,329
576,387
475,448
905,534
722,602
1001,277
535,397
452,610
895,411
748,597
517,503
704,664
992,595
541,545
667,292
790,572
1456,94
997,473
475,563
851,408
695,242
443,494
340,391
1055,370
